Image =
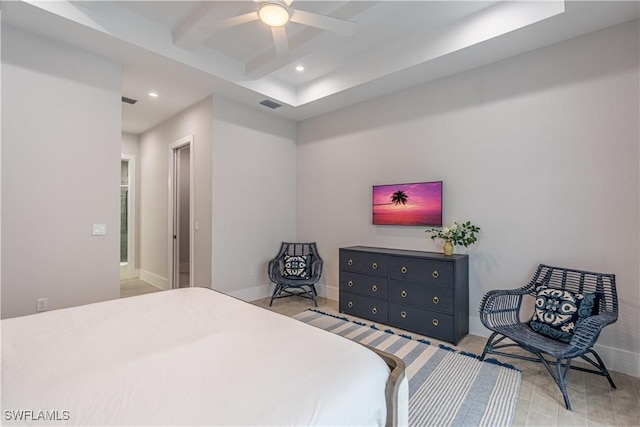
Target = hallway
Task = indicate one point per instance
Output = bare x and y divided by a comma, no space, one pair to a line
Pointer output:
133,287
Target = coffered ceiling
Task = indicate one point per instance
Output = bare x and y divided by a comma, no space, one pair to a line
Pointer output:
186,50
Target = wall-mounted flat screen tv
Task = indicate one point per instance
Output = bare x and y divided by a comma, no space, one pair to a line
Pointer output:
418,204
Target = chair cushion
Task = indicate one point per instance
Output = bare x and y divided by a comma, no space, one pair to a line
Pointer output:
297,266
558,312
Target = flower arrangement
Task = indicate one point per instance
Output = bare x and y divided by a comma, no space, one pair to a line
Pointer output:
459,234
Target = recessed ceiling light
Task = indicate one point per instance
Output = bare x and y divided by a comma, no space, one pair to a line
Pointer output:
153,94
299,68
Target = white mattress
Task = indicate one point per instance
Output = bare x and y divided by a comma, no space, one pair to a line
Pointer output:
185,357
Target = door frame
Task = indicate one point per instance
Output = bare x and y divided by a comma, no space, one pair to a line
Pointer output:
172,211
131,271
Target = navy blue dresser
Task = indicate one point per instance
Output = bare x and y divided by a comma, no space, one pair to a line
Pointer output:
423,292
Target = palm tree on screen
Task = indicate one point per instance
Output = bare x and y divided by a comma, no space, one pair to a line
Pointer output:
399,197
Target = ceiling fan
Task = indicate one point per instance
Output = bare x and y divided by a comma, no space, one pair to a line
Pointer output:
276,14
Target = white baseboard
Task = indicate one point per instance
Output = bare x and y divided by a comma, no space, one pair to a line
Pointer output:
127,273
330,292
619,360
615,359
154,279
253,293
264,291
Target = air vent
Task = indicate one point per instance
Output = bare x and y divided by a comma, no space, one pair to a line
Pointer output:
271,104
129,100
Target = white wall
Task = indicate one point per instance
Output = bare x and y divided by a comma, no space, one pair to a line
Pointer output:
184,158
154,193
540,150
131,146
60,174
254,196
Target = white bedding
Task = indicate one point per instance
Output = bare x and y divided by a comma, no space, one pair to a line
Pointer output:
184,357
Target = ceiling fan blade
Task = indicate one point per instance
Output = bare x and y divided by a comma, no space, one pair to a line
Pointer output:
232,22
323,22
280,40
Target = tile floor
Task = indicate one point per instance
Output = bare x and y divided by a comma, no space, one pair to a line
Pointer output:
540,402
133,287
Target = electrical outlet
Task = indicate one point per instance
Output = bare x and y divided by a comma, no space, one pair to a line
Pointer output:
41,304
252,271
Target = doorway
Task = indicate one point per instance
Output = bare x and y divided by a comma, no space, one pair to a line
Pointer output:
127,217
181,214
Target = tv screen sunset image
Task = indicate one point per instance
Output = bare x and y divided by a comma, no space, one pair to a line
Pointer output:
408,204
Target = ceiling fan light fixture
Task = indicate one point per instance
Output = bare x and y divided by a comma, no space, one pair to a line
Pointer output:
274,13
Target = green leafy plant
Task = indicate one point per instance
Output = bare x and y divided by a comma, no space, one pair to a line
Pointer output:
459,234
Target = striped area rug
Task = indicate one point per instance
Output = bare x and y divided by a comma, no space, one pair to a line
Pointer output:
446,387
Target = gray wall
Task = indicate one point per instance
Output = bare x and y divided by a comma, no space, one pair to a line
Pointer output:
540,150
131,146
154,196
245,174
60,174
184,205
254,196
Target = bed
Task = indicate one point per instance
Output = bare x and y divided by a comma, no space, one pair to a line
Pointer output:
191,357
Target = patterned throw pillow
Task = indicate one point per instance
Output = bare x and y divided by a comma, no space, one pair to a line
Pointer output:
558,312
297,266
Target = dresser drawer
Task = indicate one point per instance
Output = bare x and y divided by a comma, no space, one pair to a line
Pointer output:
425,322
437,298
363,284
364,262
361,306
421,270
423,292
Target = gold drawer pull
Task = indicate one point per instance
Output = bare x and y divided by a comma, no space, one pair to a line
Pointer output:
403,294
374,288
435,322
350,304
403,314
374,310
436,300
404,270
350,262
374,265
435,274
350,283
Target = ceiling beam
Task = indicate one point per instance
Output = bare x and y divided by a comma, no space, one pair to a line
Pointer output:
304,42
194,29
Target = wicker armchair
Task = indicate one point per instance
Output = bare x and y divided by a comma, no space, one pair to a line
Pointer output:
295,271
500,312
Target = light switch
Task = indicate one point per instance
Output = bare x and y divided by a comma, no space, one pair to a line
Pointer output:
99,230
